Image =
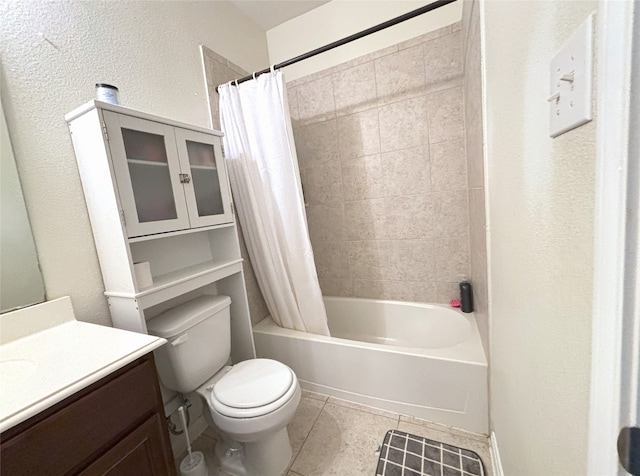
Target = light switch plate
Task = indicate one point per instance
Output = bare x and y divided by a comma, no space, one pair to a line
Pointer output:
570,82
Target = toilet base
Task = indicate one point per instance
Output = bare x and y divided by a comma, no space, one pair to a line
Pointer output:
268,457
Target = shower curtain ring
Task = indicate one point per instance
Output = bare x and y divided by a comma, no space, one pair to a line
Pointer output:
254,75
273,69
236,81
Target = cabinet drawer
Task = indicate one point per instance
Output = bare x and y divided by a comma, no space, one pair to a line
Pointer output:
69,437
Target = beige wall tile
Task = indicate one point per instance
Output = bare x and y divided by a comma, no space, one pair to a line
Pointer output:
400,75
403,124
475,167
358,134
446,115
336,287
221,73
475,157
477,226
214,107
315,101
473,108
355,89
445,292
404,218
452,258
363,178
443,58
370,260
478,246
322,184
432,35
395,290
406,171
326,223
393,156
292,98
451,213
375,55
332,259
413,260
448,166
317,144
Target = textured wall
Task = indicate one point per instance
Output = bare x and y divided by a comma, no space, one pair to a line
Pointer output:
540,217
380,141
475,164
219,70
148,49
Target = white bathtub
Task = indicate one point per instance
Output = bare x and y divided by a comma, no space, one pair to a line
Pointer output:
421,360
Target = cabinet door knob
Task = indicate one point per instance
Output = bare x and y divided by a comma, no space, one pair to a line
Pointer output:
184,178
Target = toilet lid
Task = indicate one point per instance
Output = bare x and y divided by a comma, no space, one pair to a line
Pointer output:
253,383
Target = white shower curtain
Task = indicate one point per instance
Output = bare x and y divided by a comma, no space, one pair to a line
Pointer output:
263,169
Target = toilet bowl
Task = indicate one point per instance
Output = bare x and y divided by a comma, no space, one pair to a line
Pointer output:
250,403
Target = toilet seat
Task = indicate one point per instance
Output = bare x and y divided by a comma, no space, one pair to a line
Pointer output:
253,388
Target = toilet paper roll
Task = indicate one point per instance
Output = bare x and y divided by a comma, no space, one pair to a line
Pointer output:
143,274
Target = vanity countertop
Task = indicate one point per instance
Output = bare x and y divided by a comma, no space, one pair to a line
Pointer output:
56,357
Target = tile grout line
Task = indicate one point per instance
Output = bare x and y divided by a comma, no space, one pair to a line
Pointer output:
324,403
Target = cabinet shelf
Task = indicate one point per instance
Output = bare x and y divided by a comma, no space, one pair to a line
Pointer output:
170,285
157,236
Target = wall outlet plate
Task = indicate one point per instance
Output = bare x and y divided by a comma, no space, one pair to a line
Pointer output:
571,79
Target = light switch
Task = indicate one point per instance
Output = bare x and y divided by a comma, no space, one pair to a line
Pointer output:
570,82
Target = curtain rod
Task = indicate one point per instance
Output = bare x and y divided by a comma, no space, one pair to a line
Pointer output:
350,38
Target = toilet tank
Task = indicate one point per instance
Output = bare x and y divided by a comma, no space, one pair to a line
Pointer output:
199,335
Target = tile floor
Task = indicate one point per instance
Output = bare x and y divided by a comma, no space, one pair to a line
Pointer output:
336,437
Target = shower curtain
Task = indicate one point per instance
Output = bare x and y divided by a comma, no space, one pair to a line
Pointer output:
265,180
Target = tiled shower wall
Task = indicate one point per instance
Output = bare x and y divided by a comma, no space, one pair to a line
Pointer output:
381,148
475,163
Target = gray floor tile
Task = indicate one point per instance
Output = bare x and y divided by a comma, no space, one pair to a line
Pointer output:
302,421
342,441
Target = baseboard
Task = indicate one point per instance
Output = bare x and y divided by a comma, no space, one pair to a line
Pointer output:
496,463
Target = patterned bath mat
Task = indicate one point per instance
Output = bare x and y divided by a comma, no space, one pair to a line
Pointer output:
403,454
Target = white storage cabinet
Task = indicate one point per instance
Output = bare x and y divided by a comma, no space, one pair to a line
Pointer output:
157,190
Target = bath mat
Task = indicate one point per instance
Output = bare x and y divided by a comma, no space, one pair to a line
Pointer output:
403,454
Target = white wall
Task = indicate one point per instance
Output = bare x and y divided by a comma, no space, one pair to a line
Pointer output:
341,18
150,51
540,219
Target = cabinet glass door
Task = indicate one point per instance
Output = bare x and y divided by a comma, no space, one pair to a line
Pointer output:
207,191
148,174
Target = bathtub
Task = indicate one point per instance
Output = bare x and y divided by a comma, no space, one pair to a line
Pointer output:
421,360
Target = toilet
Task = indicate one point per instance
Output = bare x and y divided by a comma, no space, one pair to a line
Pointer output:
251,402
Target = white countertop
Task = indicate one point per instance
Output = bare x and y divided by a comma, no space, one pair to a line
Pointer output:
50,363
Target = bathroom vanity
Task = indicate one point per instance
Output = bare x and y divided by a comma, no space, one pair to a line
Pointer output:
78,398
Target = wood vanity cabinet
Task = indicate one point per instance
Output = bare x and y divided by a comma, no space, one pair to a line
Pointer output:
114,427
